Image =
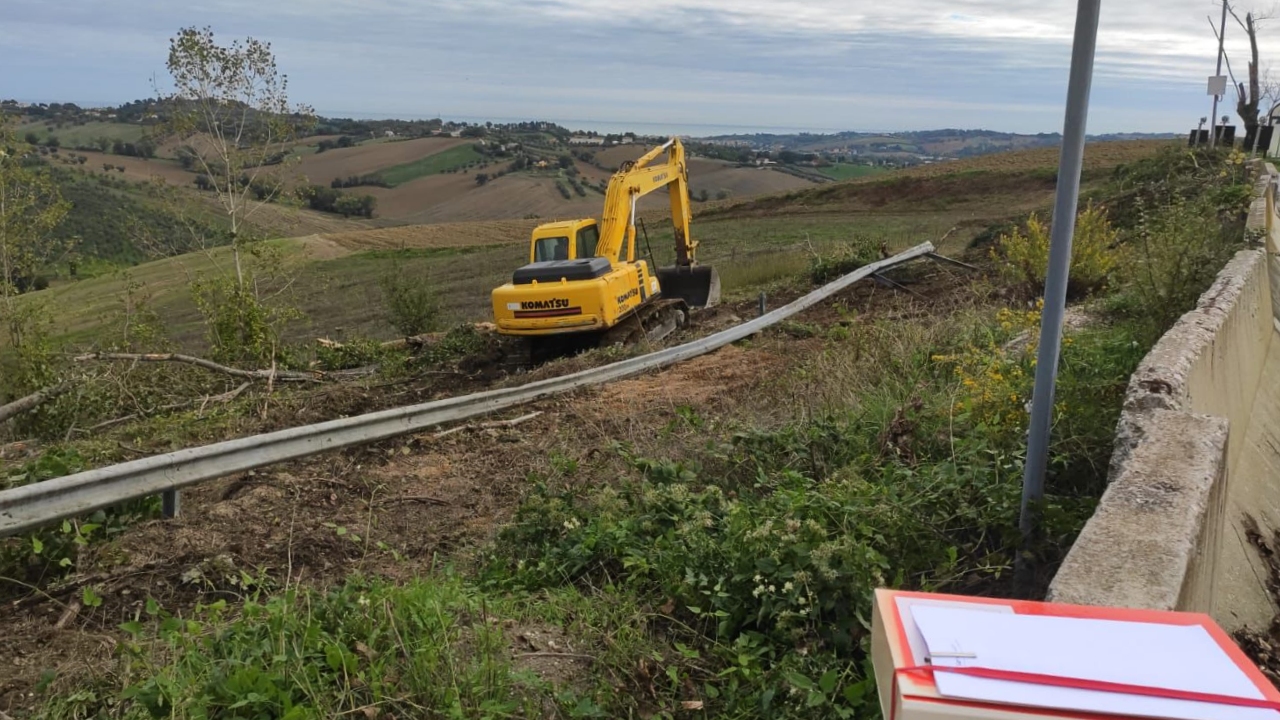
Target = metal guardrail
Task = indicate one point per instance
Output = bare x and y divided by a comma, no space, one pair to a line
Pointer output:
32,506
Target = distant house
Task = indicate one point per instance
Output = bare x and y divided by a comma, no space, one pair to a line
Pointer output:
389,133
540,164
584,140
626,140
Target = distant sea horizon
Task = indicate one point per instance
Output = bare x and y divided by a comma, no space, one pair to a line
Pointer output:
686,129
618,127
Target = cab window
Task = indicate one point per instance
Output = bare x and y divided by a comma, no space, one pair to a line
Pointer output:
552,248
588,238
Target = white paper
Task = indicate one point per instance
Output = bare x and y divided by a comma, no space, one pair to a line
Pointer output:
1133,653
915,641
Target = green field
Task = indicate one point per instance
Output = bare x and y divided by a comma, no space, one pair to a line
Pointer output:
73,135
850,171
342,297
430,165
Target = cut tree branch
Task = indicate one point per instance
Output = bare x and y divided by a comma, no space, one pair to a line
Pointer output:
32,401
276,375
489,425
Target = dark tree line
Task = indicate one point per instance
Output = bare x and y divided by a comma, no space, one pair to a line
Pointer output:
332,200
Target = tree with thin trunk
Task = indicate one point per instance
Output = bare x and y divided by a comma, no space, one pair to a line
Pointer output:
230,105
30,208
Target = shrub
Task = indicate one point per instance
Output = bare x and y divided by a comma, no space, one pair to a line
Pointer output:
350,354
241,328
861,251
1177,250
1024,258
347,205
410,303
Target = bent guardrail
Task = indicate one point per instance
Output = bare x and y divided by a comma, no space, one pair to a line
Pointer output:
32,506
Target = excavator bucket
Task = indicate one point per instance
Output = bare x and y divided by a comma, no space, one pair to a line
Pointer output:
698,286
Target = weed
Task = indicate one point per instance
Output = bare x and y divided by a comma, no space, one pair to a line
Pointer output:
359,353
1178,249
410,304
1024,258
846,259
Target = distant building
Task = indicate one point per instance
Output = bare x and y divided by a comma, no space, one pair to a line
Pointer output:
584,140
389,133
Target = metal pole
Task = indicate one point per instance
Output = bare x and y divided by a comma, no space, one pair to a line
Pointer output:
1055,286
170,504
1213,117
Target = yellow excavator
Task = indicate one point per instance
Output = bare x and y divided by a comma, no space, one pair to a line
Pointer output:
586,281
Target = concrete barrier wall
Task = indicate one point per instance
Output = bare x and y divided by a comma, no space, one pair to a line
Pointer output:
1195,454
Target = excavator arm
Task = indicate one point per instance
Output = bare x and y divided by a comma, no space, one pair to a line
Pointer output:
632,182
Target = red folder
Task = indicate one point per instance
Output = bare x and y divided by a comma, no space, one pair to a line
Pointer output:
908,681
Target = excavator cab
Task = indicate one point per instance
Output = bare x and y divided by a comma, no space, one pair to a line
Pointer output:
572,240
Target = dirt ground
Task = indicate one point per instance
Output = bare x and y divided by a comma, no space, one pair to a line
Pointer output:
441,235
371,157
135,169
397,508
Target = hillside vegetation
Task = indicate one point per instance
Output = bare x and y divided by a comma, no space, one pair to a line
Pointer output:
699,542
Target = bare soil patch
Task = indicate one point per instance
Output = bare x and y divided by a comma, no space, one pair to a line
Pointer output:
136,169
371,157
441,235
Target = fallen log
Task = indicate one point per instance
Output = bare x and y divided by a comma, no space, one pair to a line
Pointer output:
32,401
488,425
266,375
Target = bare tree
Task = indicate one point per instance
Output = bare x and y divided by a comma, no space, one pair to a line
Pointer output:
1248,99
230,104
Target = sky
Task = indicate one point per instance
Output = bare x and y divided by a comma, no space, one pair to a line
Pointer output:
685,65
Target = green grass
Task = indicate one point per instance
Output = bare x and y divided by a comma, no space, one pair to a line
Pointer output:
433,647
431,165
73,135
849,171
342,297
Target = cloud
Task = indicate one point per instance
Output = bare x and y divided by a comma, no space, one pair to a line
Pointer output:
795,63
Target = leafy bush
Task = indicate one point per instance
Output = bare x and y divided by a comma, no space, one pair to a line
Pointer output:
851,256
1024,258
1178,249
350,354
410,303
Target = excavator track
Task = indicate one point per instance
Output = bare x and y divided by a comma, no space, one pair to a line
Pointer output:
650,323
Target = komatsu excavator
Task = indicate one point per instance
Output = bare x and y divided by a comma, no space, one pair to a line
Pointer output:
586,281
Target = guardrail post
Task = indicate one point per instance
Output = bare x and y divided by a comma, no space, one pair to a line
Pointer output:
763,304
170,504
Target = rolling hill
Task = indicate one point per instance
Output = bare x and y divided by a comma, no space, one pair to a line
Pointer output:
751,241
